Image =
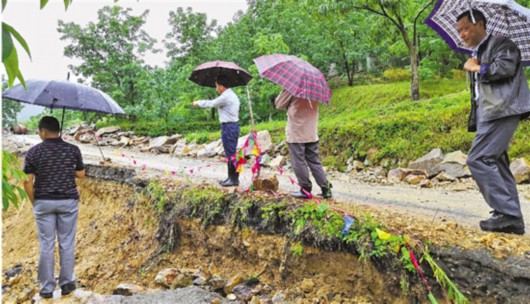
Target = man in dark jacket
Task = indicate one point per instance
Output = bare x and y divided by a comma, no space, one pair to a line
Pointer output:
500,91
52,167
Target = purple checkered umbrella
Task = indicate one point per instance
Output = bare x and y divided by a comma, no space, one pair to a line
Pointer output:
295,75
206,73
504,18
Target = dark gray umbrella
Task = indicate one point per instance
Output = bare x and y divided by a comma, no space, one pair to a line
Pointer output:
58,94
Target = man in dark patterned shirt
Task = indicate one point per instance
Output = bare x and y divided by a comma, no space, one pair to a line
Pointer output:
52,167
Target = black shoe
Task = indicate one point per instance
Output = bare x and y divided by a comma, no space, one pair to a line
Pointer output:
67,288
225,181
46,295
326,191
500,222
301,193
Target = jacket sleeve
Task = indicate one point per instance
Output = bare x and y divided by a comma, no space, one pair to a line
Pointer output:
505,60
283,100
219,102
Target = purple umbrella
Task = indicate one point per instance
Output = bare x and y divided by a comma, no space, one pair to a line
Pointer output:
295,75
206,73
504,18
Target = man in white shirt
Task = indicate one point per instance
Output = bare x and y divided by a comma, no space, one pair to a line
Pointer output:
227,105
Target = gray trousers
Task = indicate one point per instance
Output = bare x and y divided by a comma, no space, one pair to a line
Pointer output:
302,156
489,165
56,217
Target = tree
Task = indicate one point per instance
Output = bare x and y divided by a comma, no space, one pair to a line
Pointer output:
111,51
190,33
403,15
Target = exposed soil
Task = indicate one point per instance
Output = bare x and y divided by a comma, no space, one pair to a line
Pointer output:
116,239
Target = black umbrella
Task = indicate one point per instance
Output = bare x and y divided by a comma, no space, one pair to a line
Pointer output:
57,94
206,74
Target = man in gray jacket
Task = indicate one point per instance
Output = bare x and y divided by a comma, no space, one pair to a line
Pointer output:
500,91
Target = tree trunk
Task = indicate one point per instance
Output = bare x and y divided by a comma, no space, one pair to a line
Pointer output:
347,69
415,73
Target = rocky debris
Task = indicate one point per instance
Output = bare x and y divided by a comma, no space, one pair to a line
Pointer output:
174,278
13,271
107,130
355,166
127,289
414,179
217,282
307,285
521,170
429,162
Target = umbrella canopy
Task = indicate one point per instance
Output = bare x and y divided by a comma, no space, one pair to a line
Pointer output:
63,94
504,18
295,75
206,73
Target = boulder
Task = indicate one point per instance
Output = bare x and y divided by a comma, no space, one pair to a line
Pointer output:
264,142
445,177
209,150
397,175
355,166
124,141
158,142
521,170
174,278
178,147
86,138
414,179
173,139
107,130
429,162
243,293
454,164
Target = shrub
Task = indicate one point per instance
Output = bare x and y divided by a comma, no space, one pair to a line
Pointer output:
458,74
397,74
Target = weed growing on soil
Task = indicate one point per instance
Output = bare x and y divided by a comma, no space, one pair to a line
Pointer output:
240,211
273,213
297,249
158,196
205,203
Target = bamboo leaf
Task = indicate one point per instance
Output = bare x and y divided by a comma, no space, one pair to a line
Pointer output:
43,3
4,3
66,4
7,43
19,38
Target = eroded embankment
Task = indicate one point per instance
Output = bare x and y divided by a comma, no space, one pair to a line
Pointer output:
130,228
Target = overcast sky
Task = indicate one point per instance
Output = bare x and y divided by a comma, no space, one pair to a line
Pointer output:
39,28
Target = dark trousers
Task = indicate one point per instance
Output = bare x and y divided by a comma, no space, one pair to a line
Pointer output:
229,136
302,156
489,165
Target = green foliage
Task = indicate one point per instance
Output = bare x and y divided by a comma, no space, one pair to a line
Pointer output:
10,55
12,176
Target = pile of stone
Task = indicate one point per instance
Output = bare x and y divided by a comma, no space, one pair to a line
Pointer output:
176,144
434,168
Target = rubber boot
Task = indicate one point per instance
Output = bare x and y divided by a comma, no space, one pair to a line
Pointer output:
326,191
233,176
